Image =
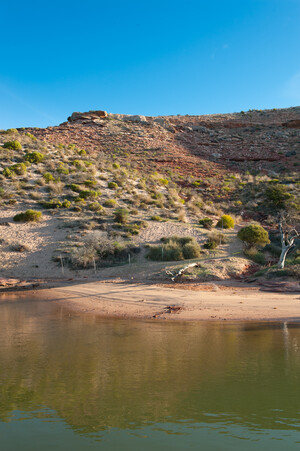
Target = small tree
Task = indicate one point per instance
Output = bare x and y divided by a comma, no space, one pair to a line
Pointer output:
288,238
254,235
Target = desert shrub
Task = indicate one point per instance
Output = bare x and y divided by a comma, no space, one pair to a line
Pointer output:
98,247
191,250
116,166
210,244
9,131
83,257
95,206
256,256
273,249
19,168
7,172
156,218
28,216
182,240
112,185
66,203
110,203
13,145
90,183
121,215
34,157
48,177
74,187
226,222
79,164
214,239
81,152
206,223
278,195
175,248
254,234
30,136
62,169
170,251
52,204
164,182
89,194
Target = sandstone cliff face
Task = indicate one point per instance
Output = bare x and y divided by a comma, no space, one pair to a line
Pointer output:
199,145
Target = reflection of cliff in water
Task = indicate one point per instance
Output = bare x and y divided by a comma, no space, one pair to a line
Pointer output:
110,373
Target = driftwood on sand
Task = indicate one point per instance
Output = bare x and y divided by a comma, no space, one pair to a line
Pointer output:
181,271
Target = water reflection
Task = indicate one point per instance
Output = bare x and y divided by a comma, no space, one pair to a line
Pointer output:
98,374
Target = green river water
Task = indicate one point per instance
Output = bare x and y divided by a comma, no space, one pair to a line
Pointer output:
78,382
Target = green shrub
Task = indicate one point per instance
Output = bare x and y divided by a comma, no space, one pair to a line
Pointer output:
7,172
175,248
90,183
210,245
206,223
226,222
34,157
214,239
9,131
19,168
110,203
89,194
81,152
121,215
28,216
156,218
66,203
191,250
170,251
112,185
164,182
62,169
278,195
31,136
95,206
52,204
13,145
116,166
74,187
256,256
48,177
182,240
254,234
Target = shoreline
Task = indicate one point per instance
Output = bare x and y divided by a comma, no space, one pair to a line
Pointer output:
137,300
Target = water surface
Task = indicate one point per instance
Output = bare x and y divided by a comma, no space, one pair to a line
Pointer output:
79,382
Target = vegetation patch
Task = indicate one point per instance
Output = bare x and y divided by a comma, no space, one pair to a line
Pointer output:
13,145
28,216
175,249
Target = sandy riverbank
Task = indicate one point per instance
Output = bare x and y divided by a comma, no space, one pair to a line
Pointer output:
145,301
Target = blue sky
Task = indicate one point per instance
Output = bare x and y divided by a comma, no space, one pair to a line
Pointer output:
146,57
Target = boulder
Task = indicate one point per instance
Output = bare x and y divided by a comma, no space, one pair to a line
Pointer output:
135,118
99,113
76,116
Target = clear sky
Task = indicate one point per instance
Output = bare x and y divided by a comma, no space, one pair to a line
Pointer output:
151,57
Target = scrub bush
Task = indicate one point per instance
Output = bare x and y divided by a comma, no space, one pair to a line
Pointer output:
34,157
254,234
226,222
28,216
13,145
